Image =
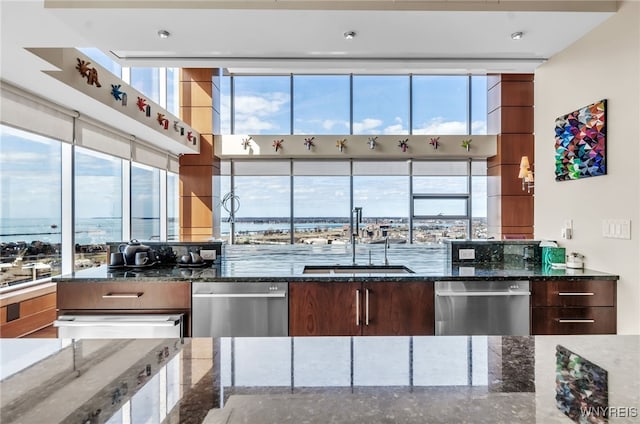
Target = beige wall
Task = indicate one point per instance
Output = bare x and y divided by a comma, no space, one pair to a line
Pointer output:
605,64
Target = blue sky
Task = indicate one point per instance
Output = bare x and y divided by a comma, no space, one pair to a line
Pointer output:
31,170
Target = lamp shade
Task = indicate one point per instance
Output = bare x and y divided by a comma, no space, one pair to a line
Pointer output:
524,162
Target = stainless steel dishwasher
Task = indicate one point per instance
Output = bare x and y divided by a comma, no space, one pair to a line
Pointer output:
241,309
482,308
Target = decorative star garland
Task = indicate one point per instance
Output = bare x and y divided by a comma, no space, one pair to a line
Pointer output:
466,144
372,143
246,142
277,144
341,144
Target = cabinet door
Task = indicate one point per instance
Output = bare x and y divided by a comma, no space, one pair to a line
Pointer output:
324,309
398,309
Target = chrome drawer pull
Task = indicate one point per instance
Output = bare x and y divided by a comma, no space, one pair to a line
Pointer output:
481,294
584,321
122,295
366,316
358,307
242,295
576,294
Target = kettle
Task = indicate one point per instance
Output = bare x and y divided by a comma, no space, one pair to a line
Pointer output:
130,249
575,260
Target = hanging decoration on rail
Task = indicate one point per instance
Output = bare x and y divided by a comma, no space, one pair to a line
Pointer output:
91,74
118,94
192,138
246,142
277,144
308,142
372,143
466,144
404,145
163,121
435,142
341,144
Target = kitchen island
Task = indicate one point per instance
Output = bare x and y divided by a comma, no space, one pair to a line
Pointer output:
563,301
479,379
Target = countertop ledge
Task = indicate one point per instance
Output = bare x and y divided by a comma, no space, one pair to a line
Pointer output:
466,273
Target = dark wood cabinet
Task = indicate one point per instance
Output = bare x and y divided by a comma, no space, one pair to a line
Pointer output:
573,307
126,297
370,308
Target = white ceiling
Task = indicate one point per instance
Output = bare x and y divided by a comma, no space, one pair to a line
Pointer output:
271,36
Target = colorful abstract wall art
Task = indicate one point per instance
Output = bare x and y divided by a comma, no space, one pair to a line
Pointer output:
582,388
580,143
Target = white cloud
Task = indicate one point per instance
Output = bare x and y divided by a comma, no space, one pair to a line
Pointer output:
365,125
265,105
479,127
440,126
329,124
250,124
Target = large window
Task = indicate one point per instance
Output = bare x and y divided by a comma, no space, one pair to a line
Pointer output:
353,104
98,205
145,202
146,81
173,207
404,201
321,104
380,104
30,214
262,105
440,104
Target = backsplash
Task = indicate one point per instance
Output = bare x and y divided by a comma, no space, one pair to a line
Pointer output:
494,251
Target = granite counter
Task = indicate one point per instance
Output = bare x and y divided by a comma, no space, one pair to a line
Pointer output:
479,379
286,263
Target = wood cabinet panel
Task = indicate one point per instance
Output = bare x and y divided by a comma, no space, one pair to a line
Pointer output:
28,324
324,309
398,309
370,309
574,293
555,320
124,295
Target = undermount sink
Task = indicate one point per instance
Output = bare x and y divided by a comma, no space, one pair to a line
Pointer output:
356,269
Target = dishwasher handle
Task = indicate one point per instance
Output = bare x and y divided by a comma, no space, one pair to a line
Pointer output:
241,295
169,322
481,293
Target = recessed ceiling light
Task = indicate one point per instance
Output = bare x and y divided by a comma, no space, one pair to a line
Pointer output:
349,35
163,33
517,35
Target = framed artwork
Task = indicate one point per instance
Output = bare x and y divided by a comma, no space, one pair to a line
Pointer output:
580,143
582,388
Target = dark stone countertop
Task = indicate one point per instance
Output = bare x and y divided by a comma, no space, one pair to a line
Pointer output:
286,263
478,379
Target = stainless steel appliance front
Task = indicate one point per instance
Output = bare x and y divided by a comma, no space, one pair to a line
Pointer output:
482,308
241,309
120,326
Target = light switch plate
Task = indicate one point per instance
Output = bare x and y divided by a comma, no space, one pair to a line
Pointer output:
208,255
467,253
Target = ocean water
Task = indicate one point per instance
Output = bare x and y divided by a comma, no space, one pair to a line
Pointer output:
88,230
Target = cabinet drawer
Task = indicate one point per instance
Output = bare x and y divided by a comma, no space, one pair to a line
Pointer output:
129,295
598,320
574,293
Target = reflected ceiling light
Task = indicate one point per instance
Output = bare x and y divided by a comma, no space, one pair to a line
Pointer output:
349,35
163,33
517,35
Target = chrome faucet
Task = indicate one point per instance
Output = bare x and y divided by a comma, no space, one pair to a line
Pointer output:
357,211
386,248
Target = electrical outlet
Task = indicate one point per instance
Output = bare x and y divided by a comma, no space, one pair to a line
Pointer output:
208,255
467,253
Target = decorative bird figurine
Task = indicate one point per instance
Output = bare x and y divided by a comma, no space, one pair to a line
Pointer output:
372,143
404,144
277,144
341,144
435,142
